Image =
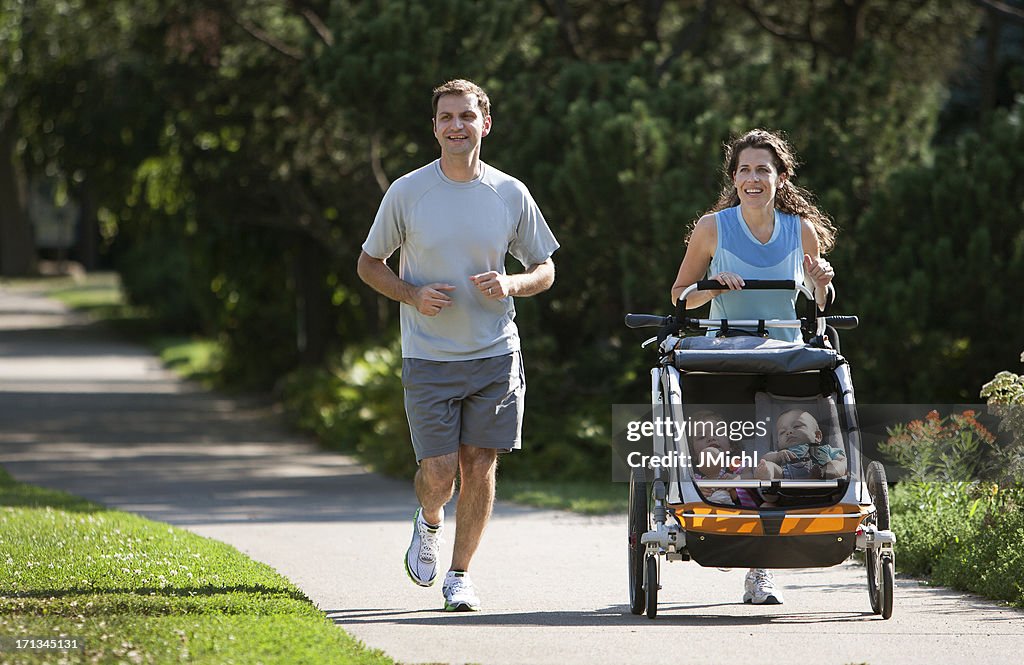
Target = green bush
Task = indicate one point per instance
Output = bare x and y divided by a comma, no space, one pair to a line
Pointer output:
966,535
950,525
356,405
155,274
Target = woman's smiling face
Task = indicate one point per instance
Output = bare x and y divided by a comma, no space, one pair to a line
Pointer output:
756,177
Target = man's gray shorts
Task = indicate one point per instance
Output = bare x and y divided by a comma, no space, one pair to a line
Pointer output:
475,402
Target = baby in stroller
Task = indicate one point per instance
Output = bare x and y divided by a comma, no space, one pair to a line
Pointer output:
801,451
710,445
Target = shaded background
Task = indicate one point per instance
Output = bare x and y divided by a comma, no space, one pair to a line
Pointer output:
228,157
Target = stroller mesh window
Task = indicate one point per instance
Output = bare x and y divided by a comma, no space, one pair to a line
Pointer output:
821,408
752,398
803,442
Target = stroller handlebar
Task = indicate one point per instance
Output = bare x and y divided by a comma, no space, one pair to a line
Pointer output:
815,321
842,322
646,320
656,321
749,285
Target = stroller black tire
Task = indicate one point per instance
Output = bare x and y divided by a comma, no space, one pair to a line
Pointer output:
888,585
639,521
878,488
879,587
651,574
873,562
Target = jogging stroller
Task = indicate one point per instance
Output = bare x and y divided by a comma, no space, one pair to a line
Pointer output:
814,515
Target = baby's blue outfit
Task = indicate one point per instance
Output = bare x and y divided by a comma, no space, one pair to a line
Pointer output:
782,257
808,455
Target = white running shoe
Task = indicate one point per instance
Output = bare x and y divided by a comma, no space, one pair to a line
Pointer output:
421,557
459,594
759,588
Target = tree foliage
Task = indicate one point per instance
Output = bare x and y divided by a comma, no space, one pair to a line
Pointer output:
944,236
232,155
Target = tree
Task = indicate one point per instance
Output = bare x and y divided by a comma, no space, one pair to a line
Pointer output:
17,249
235,153
944,239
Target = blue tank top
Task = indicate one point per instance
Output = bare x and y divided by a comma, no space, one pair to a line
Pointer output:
782,257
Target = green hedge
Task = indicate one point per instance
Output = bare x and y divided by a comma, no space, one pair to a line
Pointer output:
355,404
969,536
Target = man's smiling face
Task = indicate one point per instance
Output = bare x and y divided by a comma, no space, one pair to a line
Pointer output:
459,124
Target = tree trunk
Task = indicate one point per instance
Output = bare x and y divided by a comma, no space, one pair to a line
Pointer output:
88,237
17,246
852,27
993,28
313,302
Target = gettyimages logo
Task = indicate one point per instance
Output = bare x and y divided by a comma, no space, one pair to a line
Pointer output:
691,428
711,438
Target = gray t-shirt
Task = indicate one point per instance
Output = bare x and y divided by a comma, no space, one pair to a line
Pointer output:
449,231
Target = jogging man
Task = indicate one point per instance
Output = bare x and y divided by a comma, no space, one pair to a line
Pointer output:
455,219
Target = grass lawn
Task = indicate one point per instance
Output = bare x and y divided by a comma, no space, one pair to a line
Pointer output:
589,498
137,591
191,358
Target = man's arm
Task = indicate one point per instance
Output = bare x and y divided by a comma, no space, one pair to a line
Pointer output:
428,299
536,279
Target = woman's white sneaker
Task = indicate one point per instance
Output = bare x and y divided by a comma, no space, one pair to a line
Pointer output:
459,594
759,588
421,557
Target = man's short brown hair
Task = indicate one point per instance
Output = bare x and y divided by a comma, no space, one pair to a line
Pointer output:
462,87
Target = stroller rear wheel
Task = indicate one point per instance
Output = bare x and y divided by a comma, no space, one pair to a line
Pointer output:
639,523
878,488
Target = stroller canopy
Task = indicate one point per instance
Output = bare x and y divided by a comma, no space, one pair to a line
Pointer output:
753,355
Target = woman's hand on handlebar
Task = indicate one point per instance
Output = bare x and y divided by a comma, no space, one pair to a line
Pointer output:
728,279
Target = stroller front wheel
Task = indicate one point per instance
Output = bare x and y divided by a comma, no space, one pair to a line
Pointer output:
880,567
652,586
639,522
873,562
888,585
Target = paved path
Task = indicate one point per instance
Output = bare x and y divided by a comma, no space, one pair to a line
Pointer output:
85,413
